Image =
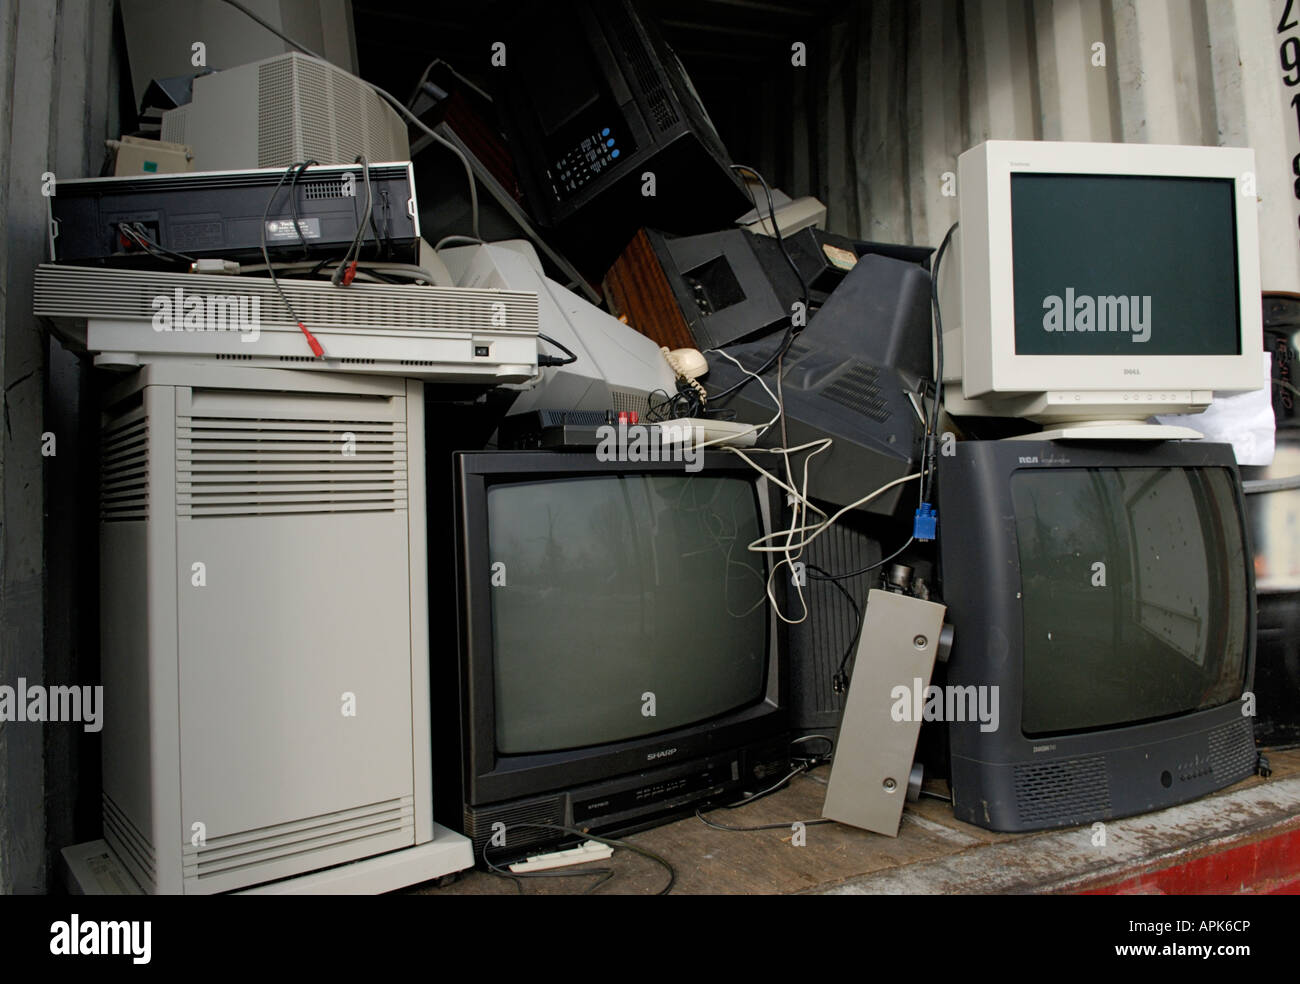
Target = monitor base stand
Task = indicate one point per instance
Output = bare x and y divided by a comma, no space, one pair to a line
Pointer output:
1111,430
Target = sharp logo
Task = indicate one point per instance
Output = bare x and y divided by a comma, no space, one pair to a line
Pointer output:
661,754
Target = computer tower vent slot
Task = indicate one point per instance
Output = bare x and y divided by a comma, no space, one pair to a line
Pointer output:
647,79
240,466
127,839
859,389
267,845
275,127
516,817
1232,750
1058,793
124,470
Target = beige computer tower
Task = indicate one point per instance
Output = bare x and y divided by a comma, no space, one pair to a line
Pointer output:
263,621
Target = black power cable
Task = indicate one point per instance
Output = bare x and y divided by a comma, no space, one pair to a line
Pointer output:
932,425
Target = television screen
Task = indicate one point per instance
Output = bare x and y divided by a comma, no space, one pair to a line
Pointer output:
1134,585
623,605
1124,265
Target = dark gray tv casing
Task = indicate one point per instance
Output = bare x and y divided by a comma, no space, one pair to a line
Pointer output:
1004,780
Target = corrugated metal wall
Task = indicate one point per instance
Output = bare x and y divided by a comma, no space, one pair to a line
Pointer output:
58,103
905,87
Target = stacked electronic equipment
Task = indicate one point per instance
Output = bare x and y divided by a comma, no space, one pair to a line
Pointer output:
265,489
262,512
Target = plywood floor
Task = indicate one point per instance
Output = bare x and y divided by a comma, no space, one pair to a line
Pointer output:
933,853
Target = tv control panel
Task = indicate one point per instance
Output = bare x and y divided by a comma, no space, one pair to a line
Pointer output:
584,160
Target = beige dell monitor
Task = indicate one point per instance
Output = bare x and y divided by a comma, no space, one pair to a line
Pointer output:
1104,283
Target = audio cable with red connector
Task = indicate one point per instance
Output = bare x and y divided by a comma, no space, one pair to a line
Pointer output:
317,349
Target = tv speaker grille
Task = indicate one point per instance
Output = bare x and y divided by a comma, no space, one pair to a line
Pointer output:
479,824
1232,750
1061,793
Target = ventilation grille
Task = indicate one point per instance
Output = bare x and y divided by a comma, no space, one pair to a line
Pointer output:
173,124
238,466
275,114
309,109
820,642
1060,793
130,842
628,401
643,69
315,190
362,309
1232,750
268,845
315,124
478,824
124,471
858,389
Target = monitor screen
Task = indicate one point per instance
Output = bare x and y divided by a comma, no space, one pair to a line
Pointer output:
1134,593
623,605
1124,265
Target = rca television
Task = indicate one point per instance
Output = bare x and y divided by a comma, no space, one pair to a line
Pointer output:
619,661
1104,283
1103,603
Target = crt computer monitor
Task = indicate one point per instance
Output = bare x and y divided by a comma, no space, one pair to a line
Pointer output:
619,661
1103,281
1107,591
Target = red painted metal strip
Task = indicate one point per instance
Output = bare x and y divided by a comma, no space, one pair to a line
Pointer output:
1269,865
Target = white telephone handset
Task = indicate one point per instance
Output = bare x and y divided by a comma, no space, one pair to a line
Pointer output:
688,363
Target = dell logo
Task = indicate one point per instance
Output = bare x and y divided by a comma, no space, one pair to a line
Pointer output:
662,754
1132,372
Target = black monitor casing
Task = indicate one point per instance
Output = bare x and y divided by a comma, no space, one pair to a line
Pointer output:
856,374
1002,779
577,68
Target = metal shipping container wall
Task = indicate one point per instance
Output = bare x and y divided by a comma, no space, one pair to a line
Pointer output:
59,88
903,87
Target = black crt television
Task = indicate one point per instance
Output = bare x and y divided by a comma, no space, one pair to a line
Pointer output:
593,100
1106,590
619,661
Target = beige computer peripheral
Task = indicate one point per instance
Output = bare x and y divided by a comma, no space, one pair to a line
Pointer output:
264,632
872,770
280,110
